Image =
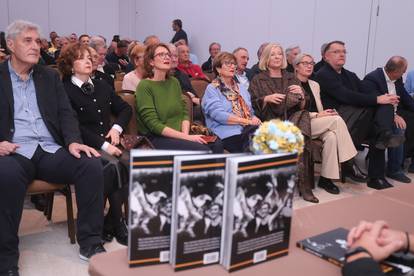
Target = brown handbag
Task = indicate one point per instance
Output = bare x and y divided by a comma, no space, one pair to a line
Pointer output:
129,142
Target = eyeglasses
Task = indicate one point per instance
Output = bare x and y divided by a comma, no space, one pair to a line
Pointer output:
305,63
229,63
337,52
163,55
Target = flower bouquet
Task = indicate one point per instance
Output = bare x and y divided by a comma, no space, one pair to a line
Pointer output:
276,136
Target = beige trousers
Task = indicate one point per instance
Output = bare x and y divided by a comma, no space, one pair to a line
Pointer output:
337,143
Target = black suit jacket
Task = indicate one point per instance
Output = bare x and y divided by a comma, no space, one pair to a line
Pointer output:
362,267
375,81
334,93
54,106
94,111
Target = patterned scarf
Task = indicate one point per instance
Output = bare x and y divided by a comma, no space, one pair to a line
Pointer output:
232,94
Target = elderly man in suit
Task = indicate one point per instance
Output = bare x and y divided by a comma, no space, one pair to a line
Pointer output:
388,80
40,138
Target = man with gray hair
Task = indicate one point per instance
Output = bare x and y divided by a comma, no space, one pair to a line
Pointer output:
40,138
291,52
388,80
242,58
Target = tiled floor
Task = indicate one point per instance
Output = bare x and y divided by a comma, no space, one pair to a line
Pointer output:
45,249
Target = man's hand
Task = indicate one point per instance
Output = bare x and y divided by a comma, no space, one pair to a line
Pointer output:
7,148
399,122
123,62
388,99
75,149
113,136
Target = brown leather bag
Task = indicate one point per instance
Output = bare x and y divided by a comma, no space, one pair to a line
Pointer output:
129,142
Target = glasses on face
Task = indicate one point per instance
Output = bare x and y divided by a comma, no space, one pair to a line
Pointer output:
163,55
337,52
229,63
306,63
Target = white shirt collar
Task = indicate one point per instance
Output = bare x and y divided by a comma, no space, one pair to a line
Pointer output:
76,81
387,79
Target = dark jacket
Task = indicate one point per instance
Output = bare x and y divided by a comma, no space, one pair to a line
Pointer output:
362,267
185,81
253,71
208,65
181,34
94,111
335,93
54,106
375,82
98,75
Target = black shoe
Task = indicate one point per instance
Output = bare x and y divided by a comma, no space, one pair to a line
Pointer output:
389,140
107,236
328,185
400,177
85,253
351,170
39,202
11,272
379,183
121,233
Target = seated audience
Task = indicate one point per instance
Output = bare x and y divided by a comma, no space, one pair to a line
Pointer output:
364,111
151,40
388,80
213,49
119,56
322,61
409,83
84,39
291,53
185,65
131,80
50,149
98,43
193,57
371,243
242,58
94,102
227,107
64,42
177,26
276,93
54,46
96,74
326,125
255,69
73,38
52,36
161,112
130,66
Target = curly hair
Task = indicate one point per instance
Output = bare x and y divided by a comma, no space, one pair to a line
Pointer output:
68,56
149,56
220,59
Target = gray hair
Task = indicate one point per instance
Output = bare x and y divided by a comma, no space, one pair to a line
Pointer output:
97,42
323,47
239,49
291,48
299,58
395,63
19,26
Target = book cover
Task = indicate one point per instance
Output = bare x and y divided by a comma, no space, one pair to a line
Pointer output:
150,205
197,210
258,209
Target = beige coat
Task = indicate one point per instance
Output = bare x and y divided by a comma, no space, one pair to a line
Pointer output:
332,130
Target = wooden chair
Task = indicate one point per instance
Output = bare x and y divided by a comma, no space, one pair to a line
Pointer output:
210,75
127,92
199,87
49,189
189,104
132,125
119,75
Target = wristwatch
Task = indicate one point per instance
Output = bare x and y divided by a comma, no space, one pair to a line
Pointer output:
356,250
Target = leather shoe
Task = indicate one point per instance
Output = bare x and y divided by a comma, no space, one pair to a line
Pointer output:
379,183
121,232
389,140
400,177
39,201
352,171
328,185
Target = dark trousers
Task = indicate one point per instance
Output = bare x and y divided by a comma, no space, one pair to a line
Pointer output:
17,172
396,155
365,124
241,142
408,116
166,143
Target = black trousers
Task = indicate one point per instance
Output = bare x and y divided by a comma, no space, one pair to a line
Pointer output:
365,124
17,172
161,142
408,116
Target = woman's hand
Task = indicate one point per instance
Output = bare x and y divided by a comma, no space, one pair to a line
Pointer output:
255,121
114,151
113,136
275,98
196,138
327,112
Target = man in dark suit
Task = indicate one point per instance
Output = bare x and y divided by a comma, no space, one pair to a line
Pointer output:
40,139
242,58
342,90
388,80
177,26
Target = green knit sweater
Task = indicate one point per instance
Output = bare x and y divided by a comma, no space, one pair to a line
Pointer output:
159,105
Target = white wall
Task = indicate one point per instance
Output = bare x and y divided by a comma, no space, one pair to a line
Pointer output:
370,37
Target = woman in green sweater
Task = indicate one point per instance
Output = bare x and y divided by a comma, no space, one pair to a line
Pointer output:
161,112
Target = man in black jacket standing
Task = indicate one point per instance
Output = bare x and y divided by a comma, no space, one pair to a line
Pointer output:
40,139
364,112
177,26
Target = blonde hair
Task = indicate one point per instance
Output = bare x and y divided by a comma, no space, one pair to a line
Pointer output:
136,50
265,57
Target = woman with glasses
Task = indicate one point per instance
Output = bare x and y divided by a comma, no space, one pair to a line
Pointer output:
131,80
161,112
95,102
227,107
326,125
276,93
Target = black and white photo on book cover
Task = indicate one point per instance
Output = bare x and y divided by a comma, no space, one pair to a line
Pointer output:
199,208
262,209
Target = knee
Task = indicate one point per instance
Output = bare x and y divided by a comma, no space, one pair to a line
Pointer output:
92,166
329,137
11,172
